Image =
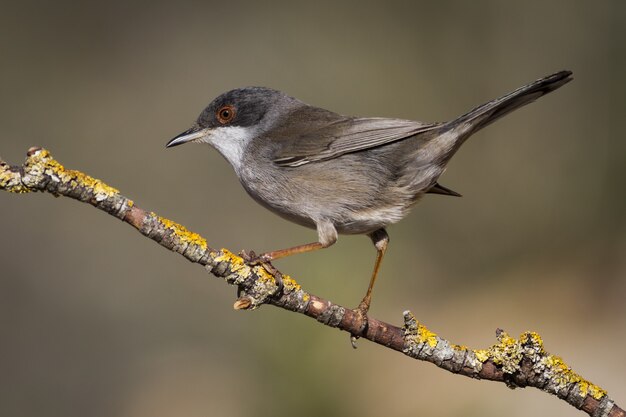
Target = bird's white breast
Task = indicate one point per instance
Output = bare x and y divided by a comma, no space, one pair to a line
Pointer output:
230,141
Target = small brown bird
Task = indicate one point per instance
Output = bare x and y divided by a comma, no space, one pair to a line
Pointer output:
340,174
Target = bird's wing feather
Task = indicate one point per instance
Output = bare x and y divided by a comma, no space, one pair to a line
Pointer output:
330,139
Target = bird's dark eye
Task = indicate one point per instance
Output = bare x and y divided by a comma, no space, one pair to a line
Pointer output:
225,114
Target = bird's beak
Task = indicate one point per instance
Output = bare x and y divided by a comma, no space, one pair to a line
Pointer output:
190,135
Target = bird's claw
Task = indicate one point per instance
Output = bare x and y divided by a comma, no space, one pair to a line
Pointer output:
249,256
252,259
353,340
360,314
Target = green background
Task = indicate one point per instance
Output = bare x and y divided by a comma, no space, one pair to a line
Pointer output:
99,321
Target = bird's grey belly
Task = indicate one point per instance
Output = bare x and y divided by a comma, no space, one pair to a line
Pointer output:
353,193
345,218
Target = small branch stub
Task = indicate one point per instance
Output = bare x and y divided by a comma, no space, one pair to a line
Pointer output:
243,303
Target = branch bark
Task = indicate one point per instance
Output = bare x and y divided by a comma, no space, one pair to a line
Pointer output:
521,362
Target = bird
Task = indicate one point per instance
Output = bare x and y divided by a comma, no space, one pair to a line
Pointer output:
340,174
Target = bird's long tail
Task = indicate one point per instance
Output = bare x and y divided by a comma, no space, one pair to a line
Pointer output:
489,112
452,134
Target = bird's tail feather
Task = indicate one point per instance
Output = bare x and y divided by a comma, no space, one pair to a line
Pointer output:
489,112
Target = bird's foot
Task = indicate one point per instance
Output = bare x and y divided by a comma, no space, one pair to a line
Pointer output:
360,318
252,259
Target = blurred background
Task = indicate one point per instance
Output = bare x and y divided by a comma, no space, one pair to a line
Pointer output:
99,321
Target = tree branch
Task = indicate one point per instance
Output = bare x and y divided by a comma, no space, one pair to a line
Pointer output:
521,362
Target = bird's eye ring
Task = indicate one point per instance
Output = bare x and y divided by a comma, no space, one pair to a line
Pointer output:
225,114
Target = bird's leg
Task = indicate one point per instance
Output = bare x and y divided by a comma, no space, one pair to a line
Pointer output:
252,258
265,258
327,236
380,238
283,253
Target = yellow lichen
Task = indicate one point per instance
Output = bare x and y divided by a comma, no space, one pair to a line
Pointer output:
181,232
481,354
69,177
263,275
507,353
11,181
558,371
426,336
228,256
77,178
291,283
532,340
237,263
419,340
40,162
584,388
416,332
596,392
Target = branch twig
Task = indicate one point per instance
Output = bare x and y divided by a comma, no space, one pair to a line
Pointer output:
521,362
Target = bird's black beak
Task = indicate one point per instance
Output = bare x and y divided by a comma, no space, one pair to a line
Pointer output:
195,132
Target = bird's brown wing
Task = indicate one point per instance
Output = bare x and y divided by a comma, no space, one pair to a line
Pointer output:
330,138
